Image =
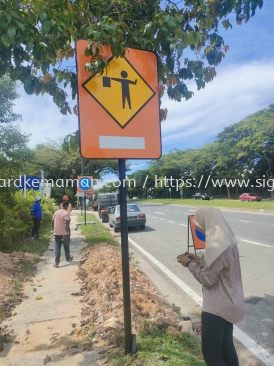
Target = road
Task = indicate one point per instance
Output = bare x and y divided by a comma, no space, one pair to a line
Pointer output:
165,237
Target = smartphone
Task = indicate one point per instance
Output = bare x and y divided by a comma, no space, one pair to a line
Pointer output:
185,254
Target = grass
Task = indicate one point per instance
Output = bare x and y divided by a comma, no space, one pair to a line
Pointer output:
28,266
263,205
96,233
155,348
2,313
17,287
36,246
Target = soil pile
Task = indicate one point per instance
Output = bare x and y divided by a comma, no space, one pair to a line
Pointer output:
100,274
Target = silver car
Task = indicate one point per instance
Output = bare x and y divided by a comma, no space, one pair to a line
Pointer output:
134,217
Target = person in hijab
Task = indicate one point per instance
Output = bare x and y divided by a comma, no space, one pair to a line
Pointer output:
219,271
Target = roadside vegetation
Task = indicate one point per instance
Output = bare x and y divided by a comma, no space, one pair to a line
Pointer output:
95,233
155,348
16,224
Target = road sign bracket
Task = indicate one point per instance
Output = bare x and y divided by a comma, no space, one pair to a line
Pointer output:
83,223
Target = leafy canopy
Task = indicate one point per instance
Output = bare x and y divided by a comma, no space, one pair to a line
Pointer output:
37,36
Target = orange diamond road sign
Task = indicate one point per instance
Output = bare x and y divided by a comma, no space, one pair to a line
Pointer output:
119,110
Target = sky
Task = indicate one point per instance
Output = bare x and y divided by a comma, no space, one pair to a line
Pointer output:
244,84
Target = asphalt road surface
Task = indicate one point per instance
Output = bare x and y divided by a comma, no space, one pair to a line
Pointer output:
165,237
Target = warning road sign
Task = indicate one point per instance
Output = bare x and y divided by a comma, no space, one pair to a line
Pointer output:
121,91
119,110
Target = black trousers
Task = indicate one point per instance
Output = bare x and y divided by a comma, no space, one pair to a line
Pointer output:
217,341
36,226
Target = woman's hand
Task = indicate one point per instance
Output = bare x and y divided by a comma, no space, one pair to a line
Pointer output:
195,258
183,259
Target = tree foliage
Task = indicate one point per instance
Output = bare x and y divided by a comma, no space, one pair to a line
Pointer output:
14,151
37,37
251,143
244,150
7,96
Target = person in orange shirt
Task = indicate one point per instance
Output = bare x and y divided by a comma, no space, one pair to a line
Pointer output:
60,228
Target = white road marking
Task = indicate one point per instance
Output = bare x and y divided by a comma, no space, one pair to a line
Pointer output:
148,215
248,342
172,222
192,210
162,219
175,211
154,217
161,213
244,221
183,224
253,242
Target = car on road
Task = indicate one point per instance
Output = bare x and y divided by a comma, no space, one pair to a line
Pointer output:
135,198
250,197
202,196
135,217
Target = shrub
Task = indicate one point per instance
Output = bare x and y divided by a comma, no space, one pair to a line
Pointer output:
11,229
15,216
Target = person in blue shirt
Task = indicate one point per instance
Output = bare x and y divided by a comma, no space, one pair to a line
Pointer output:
36,213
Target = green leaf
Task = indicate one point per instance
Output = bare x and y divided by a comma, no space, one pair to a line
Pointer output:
65,146
28,86
45,67
20,25
42,17
172,46
179,50
28,81
200,83
260,3
172,23
37,85
29,45
226,24
8,17
6,40
12,32
46,26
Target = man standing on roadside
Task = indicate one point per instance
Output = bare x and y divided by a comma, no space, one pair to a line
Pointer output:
36,213
60,228
65,198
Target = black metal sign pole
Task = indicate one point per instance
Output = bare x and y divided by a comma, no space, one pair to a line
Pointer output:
85,198
125,256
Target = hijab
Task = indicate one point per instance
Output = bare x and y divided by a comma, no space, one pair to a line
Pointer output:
219,235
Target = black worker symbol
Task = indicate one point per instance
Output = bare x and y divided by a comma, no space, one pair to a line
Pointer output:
124,84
